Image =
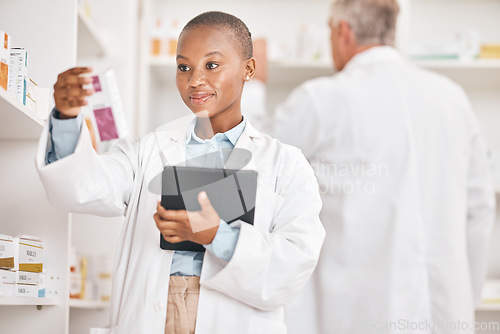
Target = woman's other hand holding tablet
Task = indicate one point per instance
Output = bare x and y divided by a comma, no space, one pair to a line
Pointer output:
181,225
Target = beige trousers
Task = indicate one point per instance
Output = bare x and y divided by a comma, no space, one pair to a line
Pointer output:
182,305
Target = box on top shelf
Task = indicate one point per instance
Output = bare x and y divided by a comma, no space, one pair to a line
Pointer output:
4,59
18,74
6,251
28,253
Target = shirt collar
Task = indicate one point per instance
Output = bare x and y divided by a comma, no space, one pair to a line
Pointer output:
232,134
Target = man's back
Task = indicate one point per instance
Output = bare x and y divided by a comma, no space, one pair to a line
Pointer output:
407,202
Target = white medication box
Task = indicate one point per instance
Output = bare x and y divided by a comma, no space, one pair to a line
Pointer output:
6,251
26,290
8,276
8,289
26,277
28,254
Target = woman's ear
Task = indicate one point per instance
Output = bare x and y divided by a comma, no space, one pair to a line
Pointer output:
249,69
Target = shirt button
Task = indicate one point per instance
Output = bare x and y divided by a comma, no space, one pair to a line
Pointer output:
159,306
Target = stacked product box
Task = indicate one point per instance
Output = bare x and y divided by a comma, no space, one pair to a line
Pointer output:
4,59
21,265
18,74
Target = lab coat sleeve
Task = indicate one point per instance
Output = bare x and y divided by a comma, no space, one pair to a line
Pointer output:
297,121
85,182
268,269
480,210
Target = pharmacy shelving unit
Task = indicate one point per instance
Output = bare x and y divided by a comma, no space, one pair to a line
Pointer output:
58,36
420,20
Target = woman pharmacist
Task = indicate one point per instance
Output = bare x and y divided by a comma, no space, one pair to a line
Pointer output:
249,272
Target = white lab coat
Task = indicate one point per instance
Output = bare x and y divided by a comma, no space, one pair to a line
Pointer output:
408,204
273,258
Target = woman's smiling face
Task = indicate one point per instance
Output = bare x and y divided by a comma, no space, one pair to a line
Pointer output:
210,72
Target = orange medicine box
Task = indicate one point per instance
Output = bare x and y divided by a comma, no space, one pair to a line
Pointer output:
28,253
4,59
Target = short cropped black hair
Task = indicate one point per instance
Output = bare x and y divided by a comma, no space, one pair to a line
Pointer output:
236,27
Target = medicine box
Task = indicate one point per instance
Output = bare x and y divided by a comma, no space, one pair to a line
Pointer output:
42,284
26,290
4,59
8,276
8,289
18,74
28,253
6,251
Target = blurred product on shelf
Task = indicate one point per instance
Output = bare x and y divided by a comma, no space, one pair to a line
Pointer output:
75,276
163,35
105,269
490,51
6,251
18,74
4,59
468,45
90,276
105,110
28,253
156,38
491,292
434,50
312,43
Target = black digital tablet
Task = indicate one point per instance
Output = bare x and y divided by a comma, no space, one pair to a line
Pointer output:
231,192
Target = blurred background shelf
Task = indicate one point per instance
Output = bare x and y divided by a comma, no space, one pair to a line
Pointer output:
489,307
20,301
458,64
18,122
90,41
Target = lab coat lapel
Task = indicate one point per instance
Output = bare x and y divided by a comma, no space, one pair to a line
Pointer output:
244,142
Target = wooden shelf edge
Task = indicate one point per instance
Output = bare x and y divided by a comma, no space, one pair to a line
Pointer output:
27,301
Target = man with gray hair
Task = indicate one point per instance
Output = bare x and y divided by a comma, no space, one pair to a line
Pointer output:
408,204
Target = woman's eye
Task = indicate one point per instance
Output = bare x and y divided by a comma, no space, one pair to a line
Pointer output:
183,68
211,66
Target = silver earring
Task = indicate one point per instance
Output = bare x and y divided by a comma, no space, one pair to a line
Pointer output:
247,78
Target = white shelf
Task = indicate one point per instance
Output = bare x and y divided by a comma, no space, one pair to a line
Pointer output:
18,122
488,307
20,301
458,64
88,304
90,42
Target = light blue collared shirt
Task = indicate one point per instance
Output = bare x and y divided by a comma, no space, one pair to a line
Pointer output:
64,136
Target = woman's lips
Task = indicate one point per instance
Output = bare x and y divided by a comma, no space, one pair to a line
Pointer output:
200,98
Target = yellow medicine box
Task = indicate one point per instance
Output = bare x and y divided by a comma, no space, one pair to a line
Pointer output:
28,254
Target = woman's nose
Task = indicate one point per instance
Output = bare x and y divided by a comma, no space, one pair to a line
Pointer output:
197,78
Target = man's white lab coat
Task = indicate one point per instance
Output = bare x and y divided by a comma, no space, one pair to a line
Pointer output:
408,204
273,258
